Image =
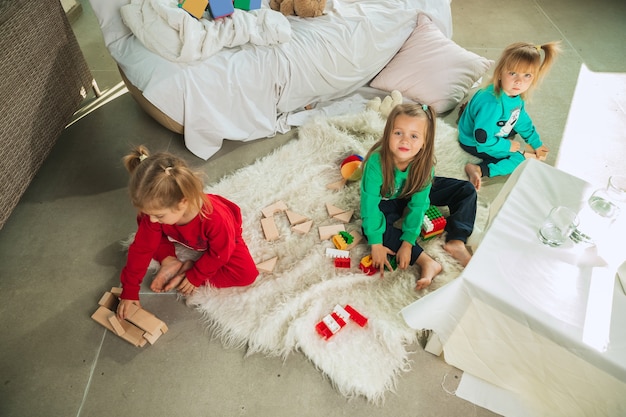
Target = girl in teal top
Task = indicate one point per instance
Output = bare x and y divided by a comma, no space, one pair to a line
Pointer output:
398,175
496,113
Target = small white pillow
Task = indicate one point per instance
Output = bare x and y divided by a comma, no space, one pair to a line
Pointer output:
432,69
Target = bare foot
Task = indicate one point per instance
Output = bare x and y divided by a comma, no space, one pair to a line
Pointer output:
169,268
474,173
458,251
429,268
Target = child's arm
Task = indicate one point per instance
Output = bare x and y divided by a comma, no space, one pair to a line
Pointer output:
140,253
412,225
374,222
528,132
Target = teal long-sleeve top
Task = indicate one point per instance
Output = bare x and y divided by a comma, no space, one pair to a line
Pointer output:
488,119
374,223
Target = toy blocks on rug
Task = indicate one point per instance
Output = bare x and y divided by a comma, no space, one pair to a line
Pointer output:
434,223
247,4
195,8
337,319
139,328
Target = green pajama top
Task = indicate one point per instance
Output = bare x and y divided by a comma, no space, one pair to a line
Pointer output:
374,223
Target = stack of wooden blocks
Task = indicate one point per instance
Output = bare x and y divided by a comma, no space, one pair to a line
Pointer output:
138,328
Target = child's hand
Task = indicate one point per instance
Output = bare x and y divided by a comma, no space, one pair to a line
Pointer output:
404,255
515,146
379,257
123,308
542,151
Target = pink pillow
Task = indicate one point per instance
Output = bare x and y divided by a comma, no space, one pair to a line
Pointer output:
432,69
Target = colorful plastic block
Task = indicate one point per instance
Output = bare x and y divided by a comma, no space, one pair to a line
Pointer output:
221,8
330,325
342,262
434,223
248,4
393,262
337,320
366,265
339,242
336,253
355,316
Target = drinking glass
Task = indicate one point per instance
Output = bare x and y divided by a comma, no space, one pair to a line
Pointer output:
558,226
605,204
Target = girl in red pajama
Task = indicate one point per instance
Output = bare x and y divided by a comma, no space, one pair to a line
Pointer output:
173,208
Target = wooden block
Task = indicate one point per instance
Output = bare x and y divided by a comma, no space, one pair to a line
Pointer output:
152,338
327,232
109,301
132,333
269,228
303,227
118,329
295,218
333,211
117,291
357,237
267,266
270,210
146,321
344,217
336,185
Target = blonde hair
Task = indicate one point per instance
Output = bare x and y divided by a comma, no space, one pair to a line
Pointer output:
162,181
523,57
420,168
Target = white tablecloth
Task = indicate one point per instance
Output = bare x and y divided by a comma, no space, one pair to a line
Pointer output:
547,325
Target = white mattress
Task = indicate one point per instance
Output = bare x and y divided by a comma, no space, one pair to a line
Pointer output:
241,93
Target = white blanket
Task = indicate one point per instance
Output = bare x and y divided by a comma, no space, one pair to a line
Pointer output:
327,57
174,34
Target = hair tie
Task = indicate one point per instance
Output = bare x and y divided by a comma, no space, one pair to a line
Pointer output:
167,170
538,48
142,157
425,107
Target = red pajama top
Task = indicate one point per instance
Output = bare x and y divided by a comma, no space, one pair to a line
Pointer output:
216,235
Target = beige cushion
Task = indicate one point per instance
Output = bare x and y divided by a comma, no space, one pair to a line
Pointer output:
432,69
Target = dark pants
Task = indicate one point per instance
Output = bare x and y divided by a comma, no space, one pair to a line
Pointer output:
460,198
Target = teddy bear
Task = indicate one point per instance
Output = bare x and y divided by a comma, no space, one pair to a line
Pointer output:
302,8
384,107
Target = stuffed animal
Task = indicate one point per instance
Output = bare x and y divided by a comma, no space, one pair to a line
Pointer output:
384,107
302,8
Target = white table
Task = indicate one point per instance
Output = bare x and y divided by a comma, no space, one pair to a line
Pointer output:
541,326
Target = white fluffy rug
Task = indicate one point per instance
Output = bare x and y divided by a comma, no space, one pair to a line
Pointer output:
278,313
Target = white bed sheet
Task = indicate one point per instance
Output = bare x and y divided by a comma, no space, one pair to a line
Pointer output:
244,93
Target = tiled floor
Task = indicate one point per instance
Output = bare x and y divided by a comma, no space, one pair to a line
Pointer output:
60,248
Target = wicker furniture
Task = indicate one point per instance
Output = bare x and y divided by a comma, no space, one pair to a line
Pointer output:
44,78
